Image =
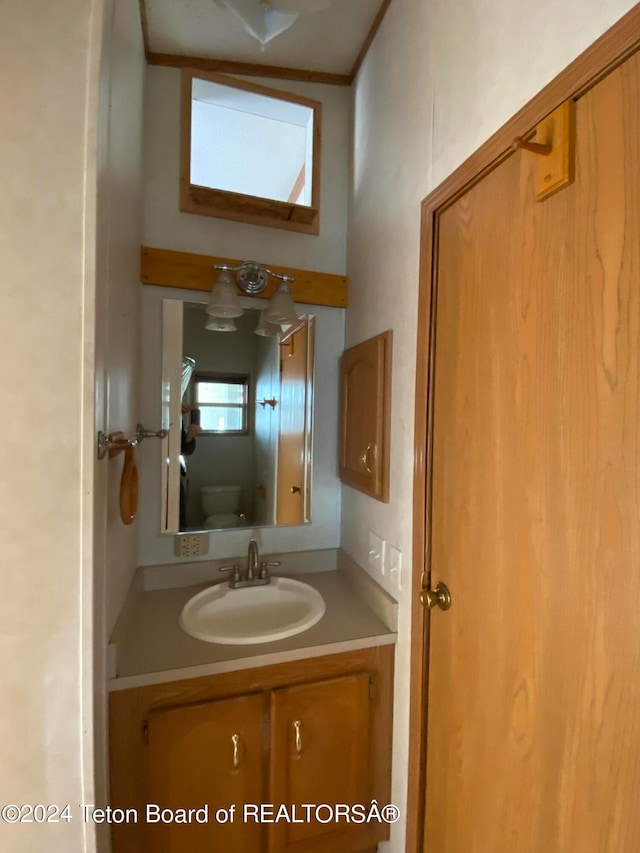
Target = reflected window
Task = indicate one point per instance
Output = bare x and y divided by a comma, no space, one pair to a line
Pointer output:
223,401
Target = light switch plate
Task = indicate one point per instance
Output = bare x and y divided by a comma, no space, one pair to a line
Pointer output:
376,553
395,566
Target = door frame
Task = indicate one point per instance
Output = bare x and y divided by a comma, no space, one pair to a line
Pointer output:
605,54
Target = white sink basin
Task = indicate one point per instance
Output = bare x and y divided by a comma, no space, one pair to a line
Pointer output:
255,614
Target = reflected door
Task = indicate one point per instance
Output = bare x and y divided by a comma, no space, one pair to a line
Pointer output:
293,486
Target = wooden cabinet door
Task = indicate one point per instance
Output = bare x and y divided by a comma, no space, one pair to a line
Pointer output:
365,405
210,753
320,754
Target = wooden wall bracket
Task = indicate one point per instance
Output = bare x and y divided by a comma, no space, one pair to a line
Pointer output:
555,147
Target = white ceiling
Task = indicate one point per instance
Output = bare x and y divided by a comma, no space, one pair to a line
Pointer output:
328,40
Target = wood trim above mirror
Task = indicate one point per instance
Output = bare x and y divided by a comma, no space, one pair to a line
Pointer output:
188,271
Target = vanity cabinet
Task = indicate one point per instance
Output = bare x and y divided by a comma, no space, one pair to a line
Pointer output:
365,416
314,731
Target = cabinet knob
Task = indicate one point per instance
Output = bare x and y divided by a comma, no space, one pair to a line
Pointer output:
235,739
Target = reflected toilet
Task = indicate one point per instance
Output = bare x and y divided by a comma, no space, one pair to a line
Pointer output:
220,506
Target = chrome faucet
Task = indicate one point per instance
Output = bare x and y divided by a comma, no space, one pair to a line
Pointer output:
257,573
253,561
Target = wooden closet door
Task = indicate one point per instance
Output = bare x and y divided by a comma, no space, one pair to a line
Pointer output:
534,673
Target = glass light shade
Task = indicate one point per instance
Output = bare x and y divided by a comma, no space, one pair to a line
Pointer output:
220,324
281,310
265,328
224,301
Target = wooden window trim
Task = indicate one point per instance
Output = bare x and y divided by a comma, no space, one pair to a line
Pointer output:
237,206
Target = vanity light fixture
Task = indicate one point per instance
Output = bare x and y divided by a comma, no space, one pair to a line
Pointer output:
281,310
266,329
221,324
252,278
224,301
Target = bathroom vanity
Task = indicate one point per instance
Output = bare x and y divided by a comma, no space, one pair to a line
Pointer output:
237,731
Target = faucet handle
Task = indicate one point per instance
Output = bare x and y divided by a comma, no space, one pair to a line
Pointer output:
235,569
264,570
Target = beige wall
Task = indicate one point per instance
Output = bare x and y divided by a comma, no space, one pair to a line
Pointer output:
68,316
48,67
439,79
119,239
166,227
115,324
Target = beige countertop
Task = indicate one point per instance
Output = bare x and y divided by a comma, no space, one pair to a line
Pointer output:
152,648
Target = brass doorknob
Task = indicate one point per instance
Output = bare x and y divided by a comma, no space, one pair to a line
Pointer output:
438,597
296,490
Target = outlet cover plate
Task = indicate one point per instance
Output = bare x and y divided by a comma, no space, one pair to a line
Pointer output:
192,544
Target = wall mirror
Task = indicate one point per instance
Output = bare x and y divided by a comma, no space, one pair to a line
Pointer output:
251,395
